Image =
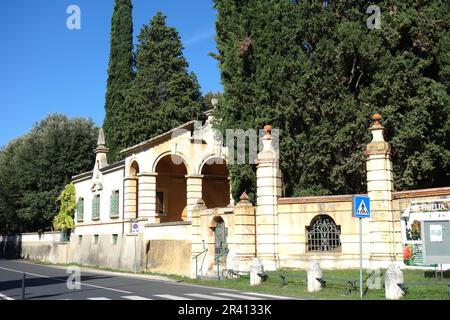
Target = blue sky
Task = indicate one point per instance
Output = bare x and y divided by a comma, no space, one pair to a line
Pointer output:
47,68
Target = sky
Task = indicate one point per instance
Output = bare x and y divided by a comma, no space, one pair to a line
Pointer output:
47,68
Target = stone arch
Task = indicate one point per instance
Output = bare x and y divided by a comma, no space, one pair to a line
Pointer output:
171,188
189,167
215,182
133,168
132,189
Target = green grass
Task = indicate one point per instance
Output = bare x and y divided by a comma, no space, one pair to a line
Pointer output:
335,286
422,285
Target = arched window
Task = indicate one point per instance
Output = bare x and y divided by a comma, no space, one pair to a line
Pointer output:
323,234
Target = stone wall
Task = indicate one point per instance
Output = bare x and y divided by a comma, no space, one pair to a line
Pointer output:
34,246
295,214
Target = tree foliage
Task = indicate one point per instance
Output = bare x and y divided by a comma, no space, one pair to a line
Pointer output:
120,76
64,219
317,72
164,94
35,168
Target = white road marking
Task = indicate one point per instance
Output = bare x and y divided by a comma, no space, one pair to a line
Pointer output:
83,284
269,295
238,296
205,296
5,297
171,297
98,298
136,298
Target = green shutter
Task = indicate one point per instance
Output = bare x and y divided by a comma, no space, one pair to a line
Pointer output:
80,209
96,207
114,211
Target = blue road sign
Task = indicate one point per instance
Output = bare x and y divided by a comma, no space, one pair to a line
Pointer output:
361,207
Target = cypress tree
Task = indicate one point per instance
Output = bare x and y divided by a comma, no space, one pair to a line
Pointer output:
120,76
315,70
164,94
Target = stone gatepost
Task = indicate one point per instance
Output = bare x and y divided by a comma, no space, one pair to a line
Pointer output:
193,192
268,182
197,243
147,196
384,227
244,233
314,272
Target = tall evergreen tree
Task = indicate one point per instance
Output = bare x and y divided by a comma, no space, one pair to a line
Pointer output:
164,94
315,71
120,76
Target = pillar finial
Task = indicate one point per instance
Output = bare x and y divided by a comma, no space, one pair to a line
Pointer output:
376,128
244,196
101,138
376,118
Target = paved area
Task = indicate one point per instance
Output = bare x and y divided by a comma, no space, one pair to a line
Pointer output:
44,282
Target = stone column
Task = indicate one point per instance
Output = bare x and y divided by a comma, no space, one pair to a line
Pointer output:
147,196
384,229
193,192
129,197
245,233
268,183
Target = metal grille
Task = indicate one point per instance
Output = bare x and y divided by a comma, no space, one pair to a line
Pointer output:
323,235
220,234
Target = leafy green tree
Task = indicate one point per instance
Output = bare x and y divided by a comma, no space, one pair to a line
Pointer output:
164,94
63,221
315,70
120,76
35,167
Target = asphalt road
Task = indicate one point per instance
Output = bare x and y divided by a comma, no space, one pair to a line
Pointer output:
50,283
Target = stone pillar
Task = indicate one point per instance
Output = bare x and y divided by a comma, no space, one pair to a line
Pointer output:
147,196
245,234
314,272
256,269
129,197
268,182
197,243
384,228
392,279
193,192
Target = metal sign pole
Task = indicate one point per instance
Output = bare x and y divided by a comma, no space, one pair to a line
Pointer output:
360,259
135,253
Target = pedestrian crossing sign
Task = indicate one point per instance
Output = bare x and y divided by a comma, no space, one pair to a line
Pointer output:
361,207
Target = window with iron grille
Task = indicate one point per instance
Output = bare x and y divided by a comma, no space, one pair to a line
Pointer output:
114,205
80,209
96,207
323,235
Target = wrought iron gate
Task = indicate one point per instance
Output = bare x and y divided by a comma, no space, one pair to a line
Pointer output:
220,235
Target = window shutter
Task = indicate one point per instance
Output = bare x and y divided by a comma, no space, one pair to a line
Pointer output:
114,210
80,209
